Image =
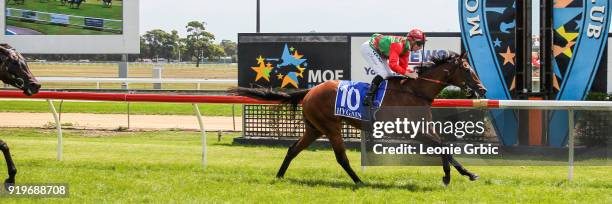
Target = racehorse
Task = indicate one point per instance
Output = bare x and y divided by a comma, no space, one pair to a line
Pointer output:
75,4
318,105
14,71
107,3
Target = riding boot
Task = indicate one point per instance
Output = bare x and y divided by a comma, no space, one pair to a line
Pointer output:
369,98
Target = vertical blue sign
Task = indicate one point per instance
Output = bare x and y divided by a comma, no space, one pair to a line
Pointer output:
487,29
581,34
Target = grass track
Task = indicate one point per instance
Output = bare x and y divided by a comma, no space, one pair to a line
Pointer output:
87,9
163,167
205,71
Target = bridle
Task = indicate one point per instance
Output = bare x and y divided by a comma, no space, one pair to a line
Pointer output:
4,67
439,82
464,86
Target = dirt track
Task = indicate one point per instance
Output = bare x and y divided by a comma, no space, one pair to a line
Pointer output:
114,121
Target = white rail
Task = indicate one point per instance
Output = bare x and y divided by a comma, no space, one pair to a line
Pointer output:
98,81
137,80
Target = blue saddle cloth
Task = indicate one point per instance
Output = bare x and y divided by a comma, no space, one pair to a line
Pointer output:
350,96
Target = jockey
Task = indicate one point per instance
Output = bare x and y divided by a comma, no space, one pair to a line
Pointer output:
388,56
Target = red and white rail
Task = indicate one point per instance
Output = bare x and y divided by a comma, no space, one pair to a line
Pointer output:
165,98
194,99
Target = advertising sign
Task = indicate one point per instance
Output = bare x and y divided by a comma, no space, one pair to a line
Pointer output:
277,61
435,46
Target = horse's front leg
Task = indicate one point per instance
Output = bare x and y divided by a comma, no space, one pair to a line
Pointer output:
12,170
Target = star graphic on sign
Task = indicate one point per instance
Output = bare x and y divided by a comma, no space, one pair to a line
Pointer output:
297,55
300,74
497,42
279,76
289,59
260,60
508,56
262,72
567,50
562,3
290,78
567,36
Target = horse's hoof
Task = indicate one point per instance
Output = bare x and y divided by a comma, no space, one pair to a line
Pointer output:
474,177
446,180
8,183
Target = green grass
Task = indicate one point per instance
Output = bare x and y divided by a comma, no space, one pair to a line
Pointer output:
49,29
88,9
120,108
164,167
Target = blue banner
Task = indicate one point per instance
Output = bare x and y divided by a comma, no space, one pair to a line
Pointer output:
488,33
60,19
580,38
94,22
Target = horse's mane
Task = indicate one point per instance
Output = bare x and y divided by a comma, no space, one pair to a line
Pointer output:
437,61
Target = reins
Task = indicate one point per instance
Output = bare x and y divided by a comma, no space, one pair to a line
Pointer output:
426,79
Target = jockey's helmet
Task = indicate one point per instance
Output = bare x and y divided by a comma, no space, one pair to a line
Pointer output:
416,35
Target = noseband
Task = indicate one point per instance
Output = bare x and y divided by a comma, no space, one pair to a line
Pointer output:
443,83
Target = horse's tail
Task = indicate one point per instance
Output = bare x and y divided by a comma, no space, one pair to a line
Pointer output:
289,97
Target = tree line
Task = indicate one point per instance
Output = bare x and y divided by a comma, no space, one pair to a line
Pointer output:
158,45
197,45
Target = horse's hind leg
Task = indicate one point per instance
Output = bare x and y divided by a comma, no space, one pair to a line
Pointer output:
461,169
337,143
12,170
435,141
310,135
447,170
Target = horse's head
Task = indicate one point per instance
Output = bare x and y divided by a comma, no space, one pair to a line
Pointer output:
466,78
15,71
454,69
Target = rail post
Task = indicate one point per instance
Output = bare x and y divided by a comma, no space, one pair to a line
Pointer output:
234,116
58,125
128,115
157,74
571,143
199,116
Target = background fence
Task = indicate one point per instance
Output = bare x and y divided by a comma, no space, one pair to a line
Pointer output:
279,122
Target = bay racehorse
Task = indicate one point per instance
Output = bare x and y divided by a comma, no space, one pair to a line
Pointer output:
75,4
14,71
319,103
107,3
